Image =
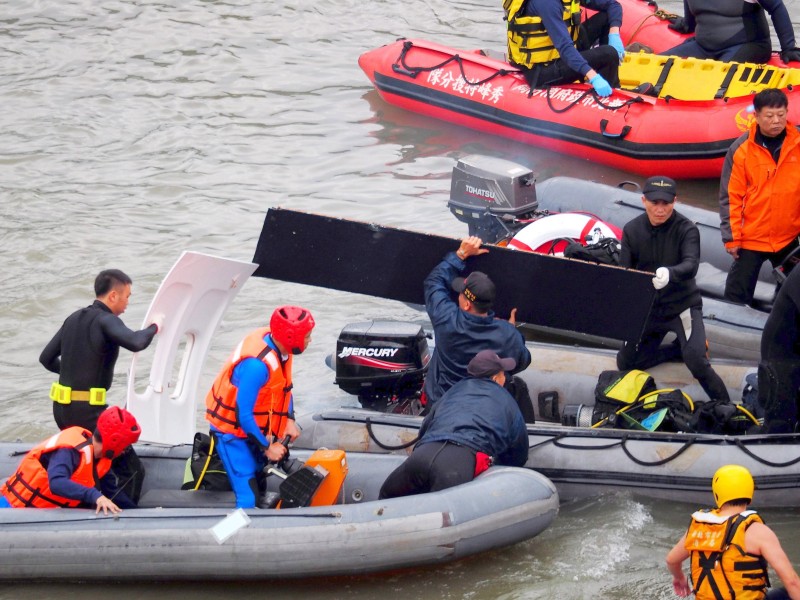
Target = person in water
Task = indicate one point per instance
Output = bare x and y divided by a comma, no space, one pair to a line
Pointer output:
734,31
84,351
730,547
250,407
70,468
477,423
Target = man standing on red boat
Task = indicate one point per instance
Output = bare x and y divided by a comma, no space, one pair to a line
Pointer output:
547,39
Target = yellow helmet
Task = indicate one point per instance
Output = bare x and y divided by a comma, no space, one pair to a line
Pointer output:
732,482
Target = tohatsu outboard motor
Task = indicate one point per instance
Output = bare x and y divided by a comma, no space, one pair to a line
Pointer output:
384,364
491,196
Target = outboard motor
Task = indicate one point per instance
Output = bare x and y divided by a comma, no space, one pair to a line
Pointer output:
384,364
490,194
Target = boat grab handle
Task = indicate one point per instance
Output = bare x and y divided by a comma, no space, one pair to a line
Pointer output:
402,71
621,135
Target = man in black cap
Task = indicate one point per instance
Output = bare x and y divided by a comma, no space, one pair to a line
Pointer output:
477,423
466,325
665,242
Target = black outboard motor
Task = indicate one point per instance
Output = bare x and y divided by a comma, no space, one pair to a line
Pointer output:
490,195
384,364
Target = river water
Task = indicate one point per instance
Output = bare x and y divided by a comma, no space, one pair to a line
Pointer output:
131,131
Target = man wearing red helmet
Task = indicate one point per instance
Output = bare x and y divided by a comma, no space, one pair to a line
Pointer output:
250,406
67,470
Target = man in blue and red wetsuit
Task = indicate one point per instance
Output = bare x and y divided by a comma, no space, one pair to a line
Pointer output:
250,406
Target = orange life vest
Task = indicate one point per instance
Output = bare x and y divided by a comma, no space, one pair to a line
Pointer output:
721,569
272,404
30,486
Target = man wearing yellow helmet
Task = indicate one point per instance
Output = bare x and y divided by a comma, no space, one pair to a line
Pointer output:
730,547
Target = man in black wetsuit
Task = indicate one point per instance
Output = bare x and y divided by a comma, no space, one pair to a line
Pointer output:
665,242
779,370
84,351
734,30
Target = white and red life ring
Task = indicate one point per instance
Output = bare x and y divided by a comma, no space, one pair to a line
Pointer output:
546,234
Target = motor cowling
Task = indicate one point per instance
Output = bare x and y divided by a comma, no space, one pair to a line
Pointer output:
487,192
382,362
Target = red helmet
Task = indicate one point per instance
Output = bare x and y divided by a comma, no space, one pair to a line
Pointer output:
118,429
289,327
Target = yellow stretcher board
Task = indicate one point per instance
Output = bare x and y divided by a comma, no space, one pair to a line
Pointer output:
702,79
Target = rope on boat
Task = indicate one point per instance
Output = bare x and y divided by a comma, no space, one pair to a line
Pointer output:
660,14
656,463
368,424
400,66
127,515
764,461
558,442
414,71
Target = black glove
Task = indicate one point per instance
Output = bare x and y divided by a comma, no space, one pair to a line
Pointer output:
679,24
792,55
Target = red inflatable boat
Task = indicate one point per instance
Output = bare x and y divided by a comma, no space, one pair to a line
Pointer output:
702,105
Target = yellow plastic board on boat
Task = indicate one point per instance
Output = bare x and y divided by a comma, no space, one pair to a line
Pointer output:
701,79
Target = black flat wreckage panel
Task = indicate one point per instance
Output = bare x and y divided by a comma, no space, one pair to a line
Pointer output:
371,259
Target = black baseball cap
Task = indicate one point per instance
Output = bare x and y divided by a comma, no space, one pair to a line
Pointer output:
660,188
477,287
487,363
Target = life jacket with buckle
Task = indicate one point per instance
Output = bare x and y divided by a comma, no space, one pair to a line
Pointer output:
272,403
30,486
528,41
721,569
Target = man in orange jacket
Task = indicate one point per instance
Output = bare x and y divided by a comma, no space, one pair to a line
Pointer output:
759,197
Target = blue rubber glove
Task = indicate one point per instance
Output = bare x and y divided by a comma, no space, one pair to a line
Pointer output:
600,85
616,42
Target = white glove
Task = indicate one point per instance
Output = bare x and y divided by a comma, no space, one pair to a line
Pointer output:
662,278
158,320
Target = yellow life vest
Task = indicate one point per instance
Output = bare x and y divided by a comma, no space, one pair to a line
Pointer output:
528,40
721,569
